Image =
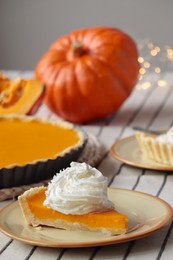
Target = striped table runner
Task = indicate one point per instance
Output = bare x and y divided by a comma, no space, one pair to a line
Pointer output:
150,108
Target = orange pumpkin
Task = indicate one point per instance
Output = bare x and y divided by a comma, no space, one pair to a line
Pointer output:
89,73
22,96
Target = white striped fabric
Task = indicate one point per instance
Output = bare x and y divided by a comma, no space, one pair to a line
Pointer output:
150,108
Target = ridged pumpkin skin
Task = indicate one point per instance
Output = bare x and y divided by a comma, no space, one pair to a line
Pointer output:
89,73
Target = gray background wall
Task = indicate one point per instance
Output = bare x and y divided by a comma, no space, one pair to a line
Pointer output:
28,27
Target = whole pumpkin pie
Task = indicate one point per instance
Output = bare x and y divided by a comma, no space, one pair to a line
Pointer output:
75,199
33,149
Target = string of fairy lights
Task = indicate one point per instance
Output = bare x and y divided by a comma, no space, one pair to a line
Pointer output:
156,60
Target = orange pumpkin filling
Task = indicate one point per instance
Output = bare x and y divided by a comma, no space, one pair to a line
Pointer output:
110,219
25,141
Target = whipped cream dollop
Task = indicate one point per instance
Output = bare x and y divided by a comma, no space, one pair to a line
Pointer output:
78,189
166,138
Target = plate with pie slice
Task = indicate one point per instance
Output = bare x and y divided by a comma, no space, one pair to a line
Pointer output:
127,150
134,204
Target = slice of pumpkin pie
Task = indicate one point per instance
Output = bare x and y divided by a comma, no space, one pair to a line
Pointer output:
158,148
75,199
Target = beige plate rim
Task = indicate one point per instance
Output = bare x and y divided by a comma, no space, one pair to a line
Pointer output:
129,236
146,164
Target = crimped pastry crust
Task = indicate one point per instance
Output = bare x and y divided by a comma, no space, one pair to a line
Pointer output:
154,150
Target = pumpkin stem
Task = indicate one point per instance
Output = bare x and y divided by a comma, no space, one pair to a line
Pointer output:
78,49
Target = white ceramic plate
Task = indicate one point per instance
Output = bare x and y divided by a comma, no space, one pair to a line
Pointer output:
146,213
127,150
